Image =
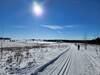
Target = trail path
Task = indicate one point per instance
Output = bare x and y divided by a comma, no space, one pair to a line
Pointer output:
72,62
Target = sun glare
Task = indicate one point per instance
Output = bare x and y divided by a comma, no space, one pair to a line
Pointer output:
37,9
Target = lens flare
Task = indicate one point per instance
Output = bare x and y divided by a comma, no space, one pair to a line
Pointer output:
37,9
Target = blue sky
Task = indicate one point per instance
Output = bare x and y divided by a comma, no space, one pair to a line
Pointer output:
62,19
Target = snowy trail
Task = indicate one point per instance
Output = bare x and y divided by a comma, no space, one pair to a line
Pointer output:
73,62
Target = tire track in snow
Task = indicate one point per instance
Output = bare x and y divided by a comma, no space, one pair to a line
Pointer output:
75,63
65,68
42,68
59,66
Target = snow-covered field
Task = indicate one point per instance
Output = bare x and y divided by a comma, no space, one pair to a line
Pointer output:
54,59
21,43
18,62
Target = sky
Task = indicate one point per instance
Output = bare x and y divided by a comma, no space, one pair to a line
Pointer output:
61,19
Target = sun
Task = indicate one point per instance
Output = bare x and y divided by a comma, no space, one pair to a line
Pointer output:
37,9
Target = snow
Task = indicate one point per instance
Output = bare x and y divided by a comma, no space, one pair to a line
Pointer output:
22,43
54,59
75,62
25,62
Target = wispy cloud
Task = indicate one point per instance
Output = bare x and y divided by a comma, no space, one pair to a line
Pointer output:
59,27
71,26
53,27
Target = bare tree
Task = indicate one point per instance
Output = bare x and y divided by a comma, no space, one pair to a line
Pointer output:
1,49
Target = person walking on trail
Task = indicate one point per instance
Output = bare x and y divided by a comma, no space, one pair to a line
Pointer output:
78,47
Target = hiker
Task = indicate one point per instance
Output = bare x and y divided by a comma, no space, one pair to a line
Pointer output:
78,47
